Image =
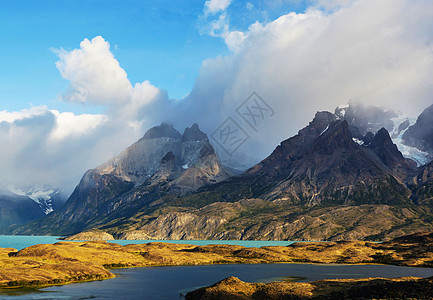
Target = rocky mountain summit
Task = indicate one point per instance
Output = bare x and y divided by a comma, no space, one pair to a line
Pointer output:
324,164
187,161
163,162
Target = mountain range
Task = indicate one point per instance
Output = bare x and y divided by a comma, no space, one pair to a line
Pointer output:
340,177
26,204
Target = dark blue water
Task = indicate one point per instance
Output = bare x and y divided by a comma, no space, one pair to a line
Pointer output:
170,282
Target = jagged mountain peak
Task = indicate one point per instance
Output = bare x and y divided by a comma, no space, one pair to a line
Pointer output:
420,135
163,130
382,138
383,146
295,147
162,162
320,123
337,135
193,133
325,162
143,159
368,138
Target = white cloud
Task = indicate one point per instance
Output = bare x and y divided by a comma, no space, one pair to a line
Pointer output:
331,5
215,6
7,116
95,75
215,22
69,125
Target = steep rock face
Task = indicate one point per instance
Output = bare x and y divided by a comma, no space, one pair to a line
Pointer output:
162,162
281,158
16,210
422,185
420,135
200,164
142,159
188,161
91,199
388,153
323,164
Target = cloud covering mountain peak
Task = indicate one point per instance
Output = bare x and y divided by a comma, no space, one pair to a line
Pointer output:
298,63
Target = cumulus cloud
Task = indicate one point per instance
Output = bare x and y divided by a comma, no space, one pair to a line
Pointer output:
96,77
69,125
94,74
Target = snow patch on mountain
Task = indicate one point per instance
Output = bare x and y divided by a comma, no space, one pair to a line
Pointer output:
327,127
358,141
42,196
420,157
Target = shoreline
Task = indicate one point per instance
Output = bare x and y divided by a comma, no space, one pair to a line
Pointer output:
68,262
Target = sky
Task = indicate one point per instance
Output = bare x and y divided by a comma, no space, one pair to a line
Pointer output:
82,80
159,41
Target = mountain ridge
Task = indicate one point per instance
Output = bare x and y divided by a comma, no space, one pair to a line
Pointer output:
326,182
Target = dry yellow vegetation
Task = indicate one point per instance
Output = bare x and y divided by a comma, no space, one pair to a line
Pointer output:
368,288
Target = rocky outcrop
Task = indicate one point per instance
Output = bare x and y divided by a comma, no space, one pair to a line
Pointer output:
177,226
90,236
233,288
420,135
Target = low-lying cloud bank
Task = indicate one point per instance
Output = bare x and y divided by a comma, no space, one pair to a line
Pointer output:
373,52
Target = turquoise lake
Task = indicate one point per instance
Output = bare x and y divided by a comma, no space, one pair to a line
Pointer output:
20,241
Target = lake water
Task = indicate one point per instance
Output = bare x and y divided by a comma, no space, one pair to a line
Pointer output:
20,241
171,282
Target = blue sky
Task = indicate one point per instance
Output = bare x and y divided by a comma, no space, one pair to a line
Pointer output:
153,40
